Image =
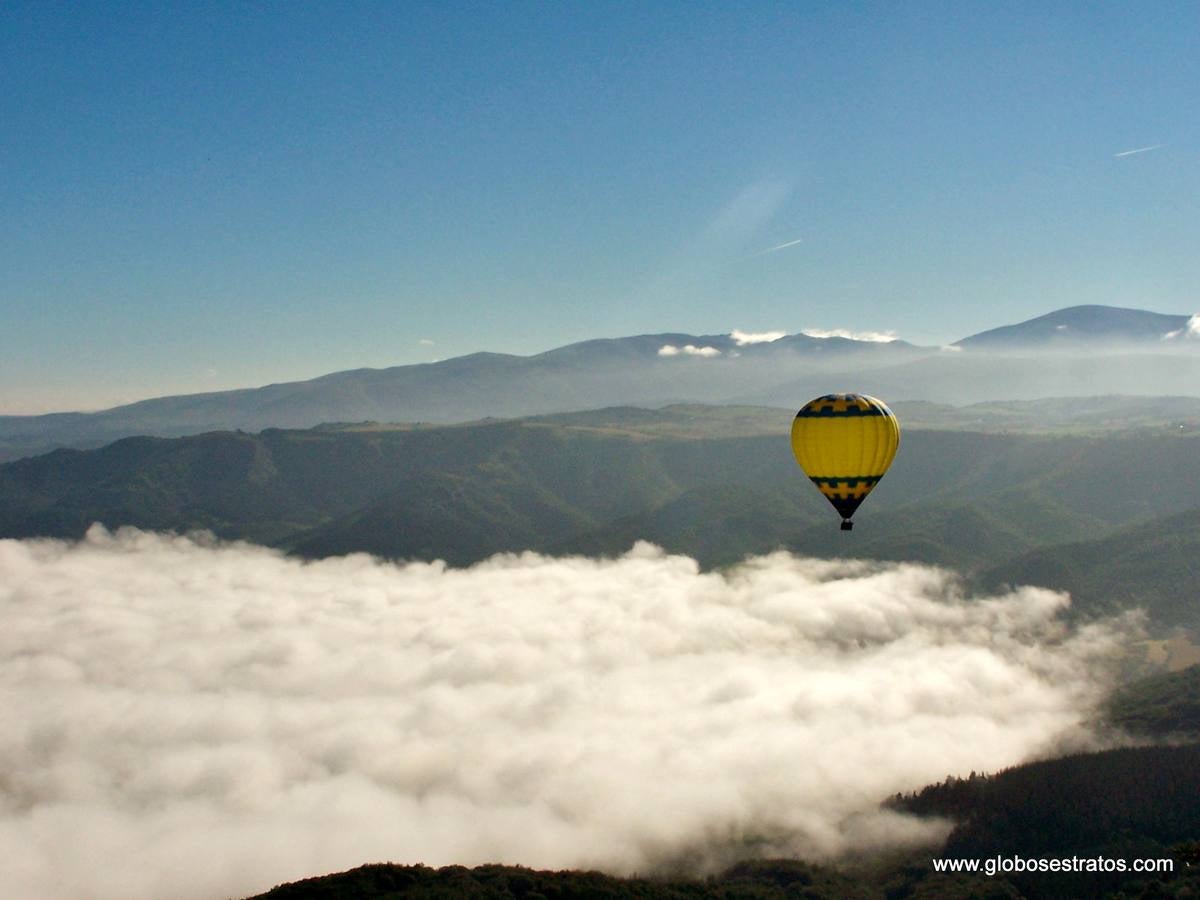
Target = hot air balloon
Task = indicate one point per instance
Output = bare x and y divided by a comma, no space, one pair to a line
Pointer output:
844,443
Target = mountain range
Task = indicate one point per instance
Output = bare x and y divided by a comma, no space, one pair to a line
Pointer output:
1110,517
1083,350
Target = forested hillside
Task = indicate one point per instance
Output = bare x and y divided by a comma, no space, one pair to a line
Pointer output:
1154,565
1132,803
1119,805
1166,705
715,483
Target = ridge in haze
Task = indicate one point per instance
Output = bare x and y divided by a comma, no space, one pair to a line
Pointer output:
1156,357
1086,326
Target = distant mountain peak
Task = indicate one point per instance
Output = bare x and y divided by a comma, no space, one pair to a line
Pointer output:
1088,324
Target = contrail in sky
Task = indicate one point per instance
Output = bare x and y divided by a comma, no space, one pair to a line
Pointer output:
1138,150
776,247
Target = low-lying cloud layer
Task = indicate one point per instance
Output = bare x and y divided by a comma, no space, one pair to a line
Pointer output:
687,350
876,337
1191,330
742,338
194,720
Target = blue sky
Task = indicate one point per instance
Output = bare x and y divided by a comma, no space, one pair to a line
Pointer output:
203,196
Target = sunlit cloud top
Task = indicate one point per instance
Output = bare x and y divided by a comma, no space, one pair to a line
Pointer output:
1190,330
742,338
881,337
687,350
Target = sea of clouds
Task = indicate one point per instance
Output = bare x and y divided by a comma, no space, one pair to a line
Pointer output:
184,718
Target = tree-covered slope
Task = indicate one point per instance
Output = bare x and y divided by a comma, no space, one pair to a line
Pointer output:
1162,705
758,880
1155,565
954,498
1127,804
711,482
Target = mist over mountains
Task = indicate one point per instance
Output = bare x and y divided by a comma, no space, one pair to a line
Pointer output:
438,605
1085,350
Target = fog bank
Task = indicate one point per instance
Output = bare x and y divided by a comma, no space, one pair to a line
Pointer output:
192,719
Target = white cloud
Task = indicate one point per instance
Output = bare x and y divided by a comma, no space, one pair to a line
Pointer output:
425,342
742,338
1190,331
881,337
188,719
688,350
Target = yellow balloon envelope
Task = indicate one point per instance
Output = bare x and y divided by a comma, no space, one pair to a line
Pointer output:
844,443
